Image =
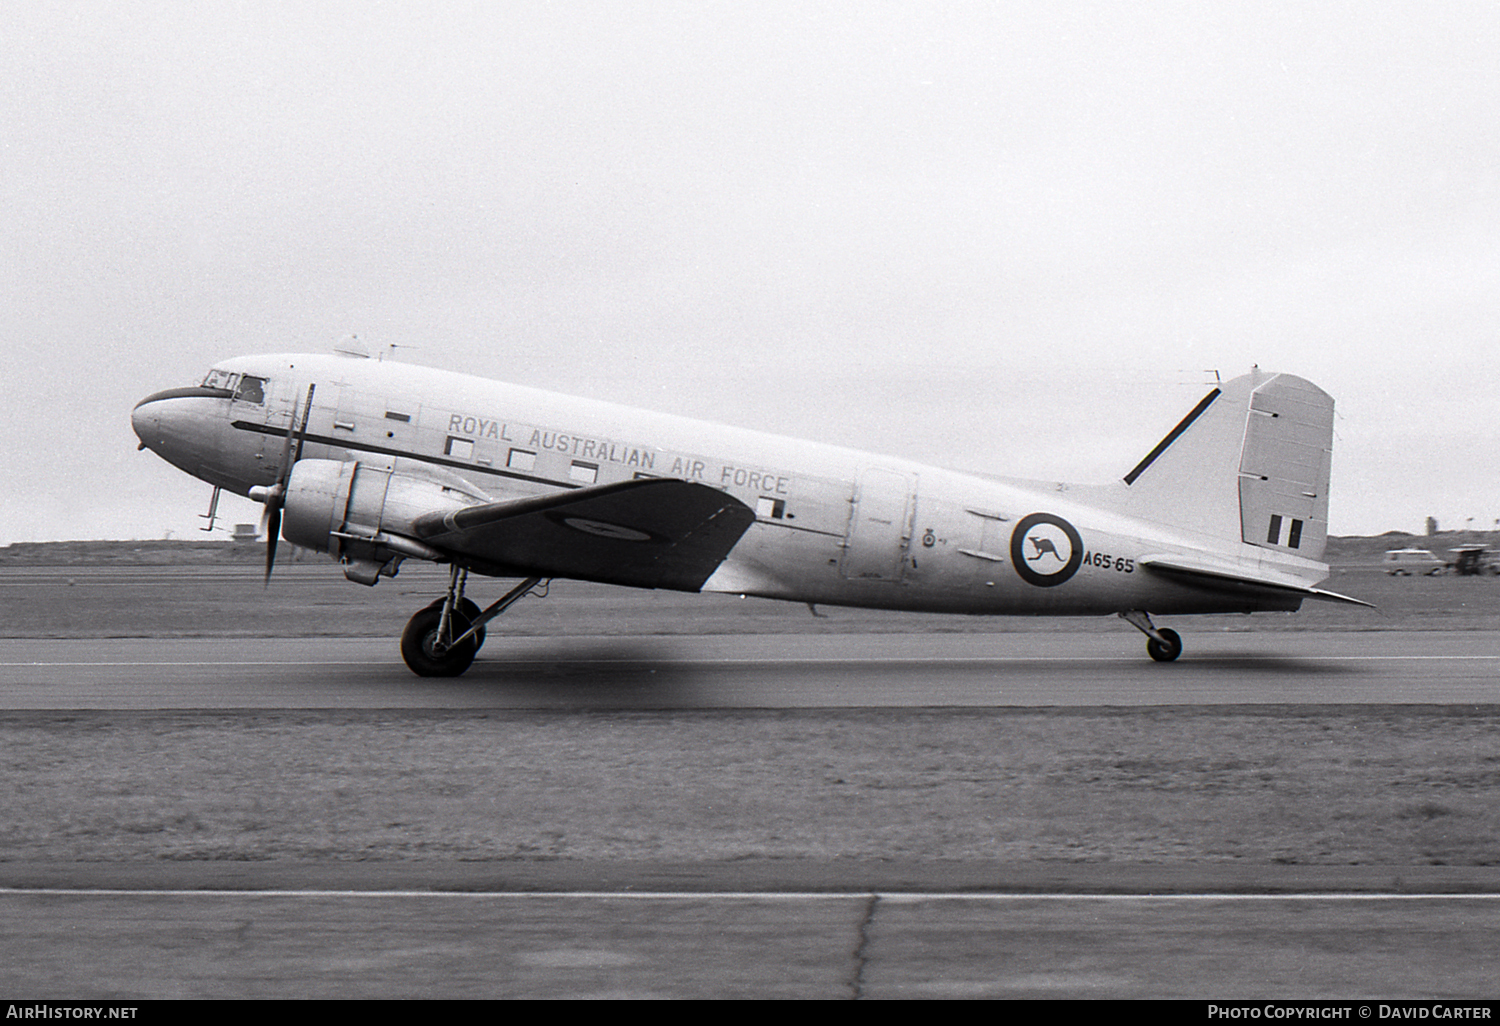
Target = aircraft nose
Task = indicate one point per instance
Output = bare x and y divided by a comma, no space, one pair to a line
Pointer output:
145,420
173,424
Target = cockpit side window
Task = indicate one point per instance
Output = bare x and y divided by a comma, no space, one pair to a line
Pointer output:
251,390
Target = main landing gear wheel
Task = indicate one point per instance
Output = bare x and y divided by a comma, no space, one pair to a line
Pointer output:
431,651
470,609
1168,648
427,654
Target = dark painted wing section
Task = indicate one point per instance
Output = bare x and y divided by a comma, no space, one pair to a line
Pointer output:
645,534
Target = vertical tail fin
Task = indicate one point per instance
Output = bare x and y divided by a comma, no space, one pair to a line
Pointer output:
1251,462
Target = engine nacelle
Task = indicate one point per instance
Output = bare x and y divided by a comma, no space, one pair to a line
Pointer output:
362,513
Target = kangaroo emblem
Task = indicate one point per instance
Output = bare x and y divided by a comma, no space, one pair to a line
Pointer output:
1044,546
1047,534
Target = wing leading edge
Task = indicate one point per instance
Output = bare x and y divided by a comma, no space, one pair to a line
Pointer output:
653,533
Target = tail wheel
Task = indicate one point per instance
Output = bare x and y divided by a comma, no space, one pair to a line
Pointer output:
1168,648
423,652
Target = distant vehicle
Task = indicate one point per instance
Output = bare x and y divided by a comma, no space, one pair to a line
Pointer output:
1473,560
1406,562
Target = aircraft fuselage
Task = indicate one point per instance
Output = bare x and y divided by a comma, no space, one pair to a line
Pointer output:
832,525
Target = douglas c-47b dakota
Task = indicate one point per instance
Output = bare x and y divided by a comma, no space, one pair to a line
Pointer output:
376,462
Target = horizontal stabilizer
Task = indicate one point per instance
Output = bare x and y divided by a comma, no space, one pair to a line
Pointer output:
1229,577
651,533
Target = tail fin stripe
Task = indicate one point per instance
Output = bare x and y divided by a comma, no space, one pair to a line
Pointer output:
1172,436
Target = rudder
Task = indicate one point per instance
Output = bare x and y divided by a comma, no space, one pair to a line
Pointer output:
1285,467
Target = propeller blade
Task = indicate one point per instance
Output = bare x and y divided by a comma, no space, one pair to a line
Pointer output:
285,470
275,496
273,534
297,431
301,431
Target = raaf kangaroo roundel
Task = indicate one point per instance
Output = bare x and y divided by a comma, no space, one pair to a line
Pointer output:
1056,550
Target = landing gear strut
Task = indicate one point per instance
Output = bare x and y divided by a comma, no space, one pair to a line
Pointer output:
442,639
1162,643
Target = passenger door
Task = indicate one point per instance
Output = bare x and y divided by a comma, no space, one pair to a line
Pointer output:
879,532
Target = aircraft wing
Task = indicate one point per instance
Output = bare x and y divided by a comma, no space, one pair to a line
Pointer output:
652,533
1228,577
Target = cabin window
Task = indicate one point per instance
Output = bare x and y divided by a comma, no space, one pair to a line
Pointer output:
251,390
521,459
459,448
584,473
769,508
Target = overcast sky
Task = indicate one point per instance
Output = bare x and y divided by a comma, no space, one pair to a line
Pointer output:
1016,237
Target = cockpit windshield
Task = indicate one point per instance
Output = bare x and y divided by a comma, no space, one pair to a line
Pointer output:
246,388
221,379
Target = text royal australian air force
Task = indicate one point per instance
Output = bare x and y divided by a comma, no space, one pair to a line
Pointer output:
526,444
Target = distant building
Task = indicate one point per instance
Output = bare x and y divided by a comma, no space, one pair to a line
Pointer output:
1432,527
246,533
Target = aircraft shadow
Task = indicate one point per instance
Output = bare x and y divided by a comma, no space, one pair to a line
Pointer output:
1257,662
634,667
641,672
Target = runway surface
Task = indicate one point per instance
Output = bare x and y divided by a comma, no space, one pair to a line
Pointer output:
769,945
1054,668
342,928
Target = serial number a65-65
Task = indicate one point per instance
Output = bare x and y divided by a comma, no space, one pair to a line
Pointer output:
1104,561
